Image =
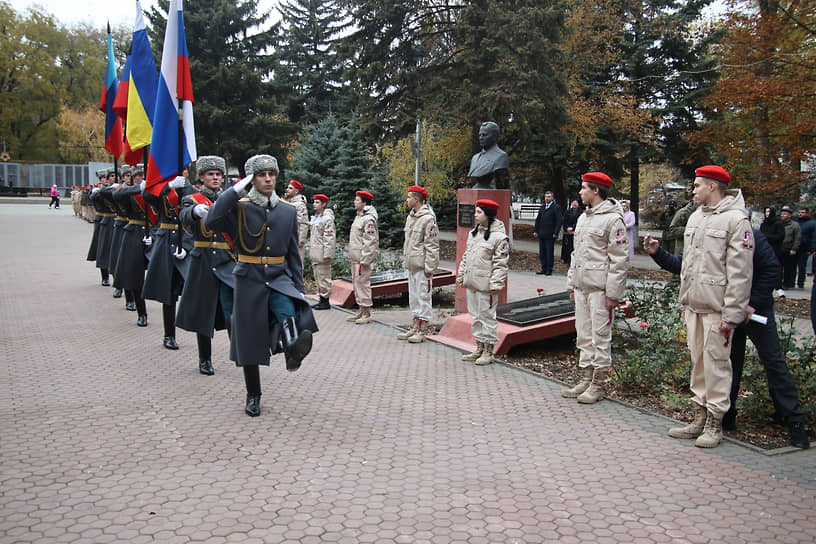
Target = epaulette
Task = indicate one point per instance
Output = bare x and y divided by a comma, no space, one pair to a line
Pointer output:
285,202
245,199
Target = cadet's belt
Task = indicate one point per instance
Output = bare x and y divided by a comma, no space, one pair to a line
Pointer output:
102,214
260,260
136,222
120,218
168,226
214,245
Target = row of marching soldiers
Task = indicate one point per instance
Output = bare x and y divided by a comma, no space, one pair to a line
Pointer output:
230,259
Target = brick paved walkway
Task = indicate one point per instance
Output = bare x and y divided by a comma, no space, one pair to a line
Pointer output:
107,437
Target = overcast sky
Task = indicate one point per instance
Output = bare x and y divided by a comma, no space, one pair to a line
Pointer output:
98,12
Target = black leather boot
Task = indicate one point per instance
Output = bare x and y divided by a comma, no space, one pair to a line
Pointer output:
142,321
253,405
170,342
296,346
105,282
205,367
322,305
130,306
799,435
117,293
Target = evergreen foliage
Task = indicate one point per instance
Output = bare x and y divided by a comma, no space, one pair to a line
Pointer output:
238,106
310,65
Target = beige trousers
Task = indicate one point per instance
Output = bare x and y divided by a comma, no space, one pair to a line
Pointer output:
419,295
710,362
593,325
361,280
482,310
322,276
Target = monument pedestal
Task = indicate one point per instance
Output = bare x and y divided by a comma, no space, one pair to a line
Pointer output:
465,222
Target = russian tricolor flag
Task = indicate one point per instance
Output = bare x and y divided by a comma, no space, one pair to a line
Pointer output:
113,125
171,150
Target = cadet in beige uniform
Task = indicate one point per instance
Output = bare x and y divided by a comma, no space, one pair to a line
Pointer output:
293,196
596,281
483,272
420,258
363,245
322,243
715,286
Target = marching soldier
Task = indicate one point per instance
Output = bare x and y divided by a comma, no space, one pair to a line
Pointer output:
363,245
206,301
294,196
103,228
322,242
168,264
268,276
119,221
132,260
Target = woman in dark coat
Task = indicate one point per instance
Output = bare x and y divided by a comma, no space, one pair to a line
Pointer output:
270,312
774,230
568,240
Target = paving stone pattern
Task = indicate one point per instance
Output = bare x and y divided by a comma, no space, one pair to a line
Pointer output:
105,436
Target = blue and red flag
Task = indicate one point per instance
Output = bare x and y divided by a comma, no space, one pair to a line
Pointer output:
172,145
120,107
113,125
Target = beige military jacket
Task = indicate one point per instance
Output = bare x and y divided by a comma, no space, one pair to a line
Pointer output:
600,258
364,237
421,248
718,259
323,237
299,202
485,262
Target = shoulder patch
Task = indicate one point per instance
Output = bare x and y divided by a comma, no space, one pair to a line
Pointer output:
748,240
433,231
504,248
620,236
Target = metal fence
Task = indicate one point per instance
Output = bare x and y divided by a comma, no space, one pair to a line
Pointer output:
25,177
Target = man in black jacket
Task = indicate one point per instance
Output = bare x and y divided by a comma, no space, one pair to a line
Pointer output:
547,226
764,337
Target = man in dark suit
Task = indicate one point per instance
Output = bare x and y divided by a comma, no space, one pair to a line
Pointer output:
547,226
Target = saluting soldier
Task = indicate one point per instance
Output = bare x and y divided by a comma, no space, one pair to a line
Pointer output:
294,196
363,245
268,276
168,263
132,261
322,244
206,301
119,221
103,228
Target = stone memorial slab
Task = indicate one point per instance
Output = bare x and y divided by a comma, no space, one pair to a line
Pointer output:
536,309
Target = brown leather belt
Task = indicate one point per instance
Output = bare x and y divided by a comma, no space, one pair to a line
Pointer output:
168,226
136,222
101,214
260,260
214,245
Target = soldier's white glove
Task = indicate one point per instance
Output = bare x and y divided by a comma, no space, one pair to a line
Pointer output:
147,241
142,185
241,184
177,183
95,189
201,210
180,253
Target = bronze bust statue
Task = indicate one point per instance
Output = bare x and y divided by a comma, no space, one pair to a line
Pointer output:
491,162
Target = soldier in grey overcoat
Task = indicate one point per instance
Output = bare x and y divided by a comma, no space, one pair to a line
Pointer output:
270,312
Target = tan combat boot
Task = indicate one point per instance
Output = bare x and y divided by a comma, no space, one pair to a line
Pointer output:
595,391
693,429
365,317
487,355
356,316
573,392
712,432
419,334
475,355
410,332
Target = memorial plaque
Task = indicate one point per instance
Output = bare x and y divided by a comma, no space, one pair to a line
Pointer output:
467,215
536,309
387,276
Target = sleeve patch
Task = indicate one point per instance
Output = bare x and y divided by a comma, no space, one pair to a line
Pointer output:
748,240
504,249
433,231
620,237
370,229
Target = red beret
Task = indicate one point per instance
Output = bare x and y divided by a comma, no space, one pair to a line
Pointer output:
418,189
296,184
365,194
485,203
714,172
322,197
597,177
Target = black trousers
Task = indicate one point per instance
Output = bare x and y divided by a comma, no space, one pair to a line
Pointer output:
765,338
252,379
546,253
789,266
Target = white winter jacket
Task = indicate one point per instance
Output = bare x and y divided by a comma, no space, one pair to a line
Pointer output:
485,262
421,248
364,237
